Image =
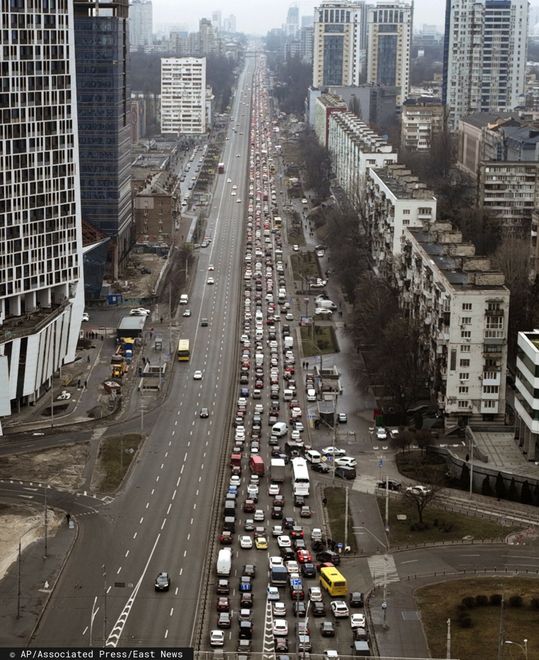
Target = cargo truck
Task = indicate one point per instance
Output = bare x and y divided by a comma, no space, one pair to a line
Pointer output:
277,470
256,464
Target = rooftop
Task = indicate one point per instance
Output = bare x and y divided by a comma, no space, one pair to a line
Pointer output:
480,119
368,139
402,183
423,100
456,259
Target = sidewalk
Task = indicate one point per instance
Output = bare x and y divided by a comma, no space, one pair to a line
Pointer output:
38,576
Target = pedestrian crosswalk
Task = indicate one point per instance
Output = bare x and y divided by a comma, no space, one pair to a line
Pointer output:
383,569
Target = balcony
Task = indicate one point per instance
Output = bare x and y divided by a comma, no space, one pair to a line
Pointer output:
491,377
16,327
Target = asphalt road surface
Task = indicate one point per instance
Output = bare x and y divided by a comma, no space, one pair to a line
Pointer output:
160,520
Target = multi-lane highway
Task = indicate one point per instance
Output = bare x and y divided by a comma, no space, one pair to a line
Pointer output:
160,519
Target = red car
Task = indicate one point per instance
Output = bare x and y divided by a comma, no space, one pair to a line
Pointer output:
223,604
225,538
297,533
304,556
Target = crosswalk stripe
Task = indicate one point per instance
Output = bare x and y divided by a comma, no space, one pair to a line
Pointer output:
383,569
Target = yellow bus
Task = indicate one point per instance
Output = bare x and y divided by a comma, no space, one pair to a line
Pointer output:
183,350
333,581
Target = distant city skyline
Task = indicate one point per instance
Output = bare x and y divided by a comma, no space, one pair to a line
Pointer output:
259,18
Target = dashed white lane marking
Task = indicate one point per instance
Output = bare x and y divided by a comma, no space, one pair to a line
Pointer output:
169,507
174,494
171,611
166,633
126,553
140,521
163,524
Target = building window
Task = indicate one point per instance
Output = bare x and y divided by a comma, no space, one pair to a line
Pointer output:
463,404
463,389
489,404
464,375
406,212
464,362
465,348
491,389
466,320
465,334
493,306
466,307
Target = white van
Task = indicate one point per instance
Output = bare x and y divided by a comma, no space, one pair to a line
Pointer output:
311,394
279,429
313,456
184,299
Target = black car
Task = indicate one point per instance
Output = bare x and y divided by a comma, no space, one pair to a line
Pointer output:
300,609
276,512
162,581
246,629
223,586
289,523
327,629
281,646
356,599
288,554
308,570
328,555
323,468
318,608
249,570
391,484
345,472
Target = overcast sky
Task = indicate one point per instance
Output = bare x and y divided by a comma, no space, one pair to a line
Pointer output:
259,16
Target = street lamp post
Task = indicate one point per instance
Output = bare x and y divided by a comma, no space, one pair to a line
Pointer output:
523,647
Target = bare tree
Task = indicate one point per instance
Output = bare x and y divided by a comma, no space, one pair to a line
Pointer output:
421,497
512,258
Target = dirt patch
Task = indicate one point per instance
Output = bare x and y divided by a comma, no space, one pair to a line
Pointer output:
61,467
24,522
115,456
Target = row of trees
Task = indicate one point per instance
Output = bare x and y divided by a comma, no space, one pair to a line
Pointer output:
317,164
294,78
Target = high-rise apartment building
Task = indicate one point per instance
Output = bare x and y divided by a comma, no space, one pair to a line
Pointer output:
292,21
485,49
140,25
103,103
389,44
337,43
41,292
183,95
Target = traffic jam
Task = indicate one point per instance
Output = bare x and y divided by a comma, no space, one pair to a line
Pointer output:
277,587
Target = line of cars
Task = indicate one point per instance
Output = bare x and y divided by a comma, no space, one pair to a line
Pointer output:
267,349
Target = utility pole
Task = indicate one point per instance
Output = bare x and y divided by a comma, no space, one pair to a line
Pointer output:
501,633
46,520
387,505
471,466
448,653
52,402
346,517
104,604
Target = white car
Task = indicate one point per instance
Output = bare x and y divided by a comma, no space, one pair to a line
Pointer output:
187,312
346,461
246,542
322,311
63,396
217,638
292,566
295,247
276,530
229,180
139,311
315,594
304,201
284,542
233,193
211,267
259,515
333,451
275,561
252,490
85,316
358,620
279,609
280,627
339,609
381,433
197,375
418,489
273,489
235,480
273,593
210,280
